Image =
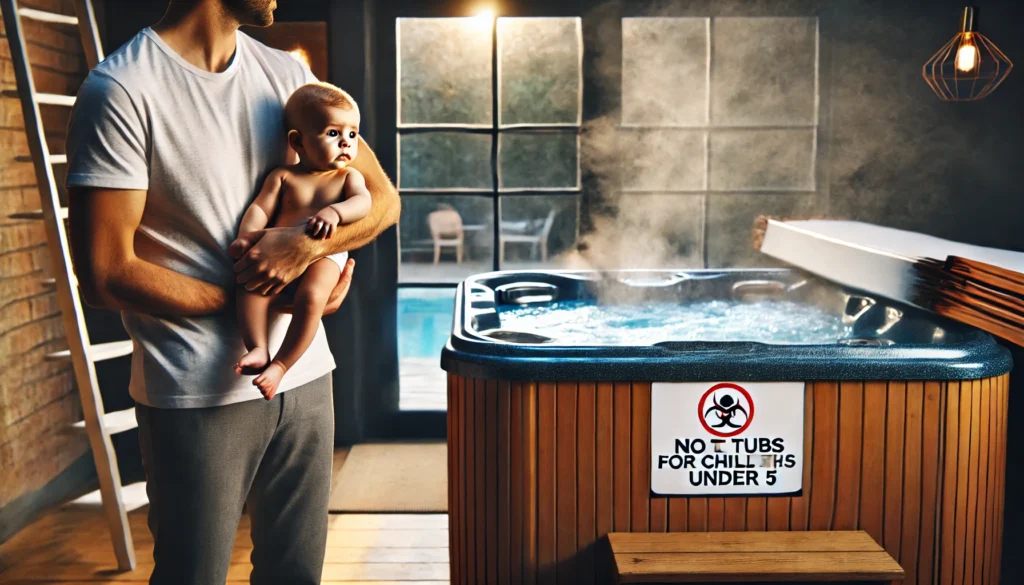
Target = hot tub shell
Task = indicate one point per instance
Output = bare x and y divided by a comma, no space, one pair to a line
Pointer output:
549,445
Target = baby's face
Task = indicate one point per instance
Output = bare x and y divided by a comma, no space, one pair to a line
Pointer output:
333,139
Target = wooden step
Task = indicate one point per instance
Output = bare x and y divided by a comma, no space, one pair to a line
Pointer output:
50,17
98,352
766,557
115,422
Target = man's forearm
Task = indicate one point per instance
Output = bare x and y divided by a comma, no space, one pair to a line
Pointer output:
384,213
141,286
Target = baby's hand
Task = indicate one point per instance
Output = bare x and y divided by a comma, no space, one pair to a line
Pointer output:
239,247
323,224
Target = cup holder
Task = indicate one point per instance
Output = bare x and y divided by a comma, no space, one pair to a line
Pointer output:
510,336
526,293
866,342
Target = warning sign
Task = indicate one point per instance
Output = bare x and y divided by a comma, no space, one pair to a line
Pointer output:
723,438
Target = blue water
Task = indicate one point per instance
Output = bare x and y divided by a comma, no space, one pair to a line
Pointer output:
584,323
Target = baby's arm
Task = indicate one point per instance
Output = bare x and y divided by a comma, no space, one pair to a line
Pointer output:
258,215
354,206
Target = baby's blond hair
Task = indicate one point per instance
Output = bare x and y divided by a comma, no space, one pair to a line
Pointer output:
314,95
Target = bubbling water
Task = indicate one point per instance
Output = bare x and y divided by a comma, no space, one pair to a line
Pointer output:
586,323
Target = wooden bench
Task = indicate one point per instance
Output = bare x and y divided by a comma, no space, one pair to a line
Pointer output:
767,557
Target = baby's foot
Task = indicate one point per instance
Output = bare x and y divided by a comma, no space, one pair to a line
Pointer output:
253,362
267,381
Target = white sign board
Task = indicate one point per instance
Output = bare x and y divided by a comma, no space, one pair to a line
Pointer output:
721,438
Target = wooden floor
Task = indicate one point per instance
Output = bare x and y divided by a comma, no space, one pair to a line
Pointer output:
72,545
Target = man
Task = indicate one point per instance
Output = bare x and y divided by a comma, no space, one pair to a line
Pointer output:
168,143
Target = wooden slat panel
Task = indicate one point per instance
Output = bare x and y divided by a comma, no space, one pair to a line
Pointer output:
823,476
604,433
480,477
984,472
716,514
530,504
766,542
757,514
949,483
702,567
504,486
1001,472
912,449
851,437
516,510
454,532
586,524
677,514
546,483
491,478
472,420
799,506
893,486
972,481
779,513
990,508
962,483
930,477
640,458
735,514
565,474
622,417
873,457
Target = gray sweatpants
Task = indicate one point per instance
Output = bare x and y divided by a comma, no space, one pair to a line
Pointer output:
202,464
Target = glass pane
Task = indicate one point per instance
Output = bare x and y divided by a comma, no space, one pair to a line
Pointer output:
424,324
445,68
762,160
445,160
646,231
540,70
538,231
435,230
764,71
661,160
539,159
664,71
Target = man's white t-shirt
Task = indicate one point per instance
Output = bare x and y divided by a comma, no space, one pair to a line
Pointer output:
200,144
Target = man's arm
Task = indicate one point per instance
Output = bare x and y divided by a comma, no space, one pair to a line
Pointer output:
102,224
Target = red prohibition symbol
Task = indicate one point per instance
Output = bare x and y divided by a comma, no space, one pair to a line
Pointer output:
725,411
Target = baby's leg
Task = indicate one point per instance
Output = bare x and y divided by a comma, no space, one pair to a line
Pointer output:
252,323
315,286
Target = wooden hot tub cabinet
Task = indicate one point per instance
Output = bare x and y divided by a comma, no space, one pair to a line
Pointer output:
540,472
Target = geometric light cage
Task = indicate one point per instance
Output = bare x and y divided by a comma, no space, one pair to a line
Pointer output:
968,67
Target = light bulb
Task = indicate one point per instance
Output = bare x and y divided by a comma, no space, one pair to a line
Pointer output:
967,57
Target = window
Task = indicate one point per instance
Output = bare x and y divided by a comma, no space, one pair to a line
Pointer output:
722,117
488,142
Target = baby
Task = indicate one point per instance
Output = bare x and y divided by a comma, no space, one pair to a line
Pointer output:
320,192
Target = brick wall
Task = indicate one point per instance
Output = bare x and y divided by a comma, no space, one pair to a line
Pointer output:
38,400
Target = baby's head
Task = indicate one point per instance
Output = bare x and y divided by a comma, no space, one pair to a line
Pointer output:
323,126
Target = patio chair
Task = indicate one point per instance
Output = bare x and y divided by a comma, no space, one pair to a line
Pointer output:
446,232
537,240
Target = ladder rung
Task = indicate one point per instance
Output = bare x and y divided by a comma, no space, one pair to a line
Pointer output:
51,283
115,422
49,99
55,159
36,214
98,352
44,16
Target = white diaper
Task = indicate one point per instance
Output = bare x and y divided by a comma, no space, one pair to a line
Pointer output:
340,259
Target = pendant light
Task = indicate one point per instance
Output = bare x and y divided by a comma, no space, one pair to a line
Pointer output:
968,67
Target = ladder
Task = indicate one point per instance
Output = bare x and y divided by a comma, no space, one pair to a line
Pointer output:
98,424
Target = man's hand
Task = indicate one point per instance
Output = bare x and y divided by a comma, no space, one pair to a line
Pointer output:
274,258
283,303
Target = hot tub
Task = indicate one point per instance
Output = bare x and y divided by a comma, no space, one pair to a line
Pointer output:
575,399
